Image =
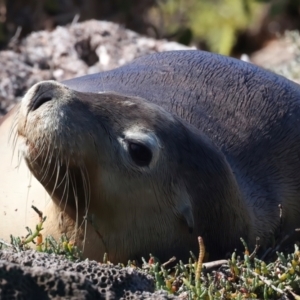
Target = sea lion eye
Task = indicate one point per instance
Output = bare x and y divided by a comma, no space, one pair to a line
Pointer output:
140,154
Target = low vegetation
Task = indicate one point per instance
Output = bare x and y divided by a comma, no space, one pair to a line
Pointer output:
236,278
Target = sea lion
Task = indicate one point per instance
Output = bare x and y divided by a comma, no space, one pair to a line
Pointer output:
147,157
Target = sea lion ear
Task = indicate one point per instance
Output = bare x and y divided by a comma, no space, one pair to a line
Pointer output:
183,209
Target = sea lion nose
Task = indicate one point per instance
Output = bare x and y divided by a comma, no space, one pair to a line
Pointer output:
41,93
44,93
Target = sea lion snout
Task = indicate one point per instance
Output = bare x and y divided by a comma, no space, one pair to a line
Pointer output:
43,92
33,123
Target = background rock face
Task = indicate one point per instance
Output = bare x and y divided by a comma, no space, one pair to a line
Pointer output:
67,52
95,46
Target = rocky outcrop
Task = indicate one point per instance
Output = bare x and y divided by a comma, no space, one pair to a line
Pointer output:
67,52
34,275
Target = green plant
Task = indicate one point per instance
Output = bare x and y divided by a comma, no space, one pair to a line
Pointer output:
215,22
237,278
62,247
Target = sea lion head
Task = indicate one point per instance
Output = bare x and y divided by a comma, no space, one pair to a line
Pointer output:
140,177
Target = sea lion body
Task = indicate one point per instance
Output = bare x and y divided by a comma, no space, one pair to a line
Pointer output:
219,151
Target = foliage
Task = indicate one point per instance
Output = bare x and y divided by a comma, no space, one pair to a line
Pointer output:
235,279
217,22
238,279
62,247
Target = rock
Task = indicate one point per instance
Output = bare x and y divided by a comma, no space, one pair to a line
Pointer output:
67,52
36,275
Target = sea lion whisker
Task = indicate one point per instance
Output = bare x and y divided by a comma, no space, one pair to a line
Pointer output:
66,187
15,140
48,161
84,221
56,165
19,159
13,133
47,153
86,186
73,184
57,168
40,152
85,231
87,189
14,125
62,180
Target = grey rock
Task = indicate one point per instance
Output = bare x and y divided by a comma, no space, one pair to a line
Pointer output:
70,51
